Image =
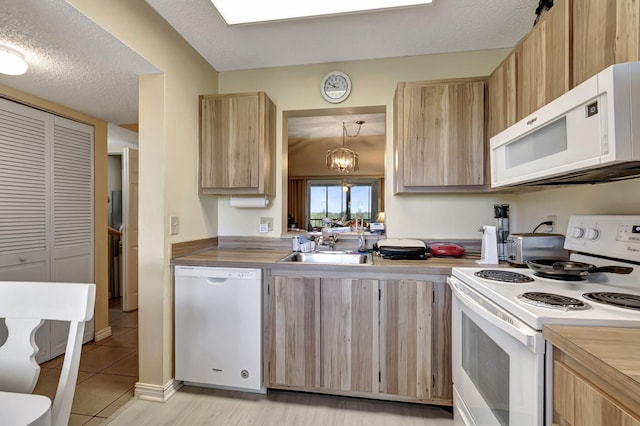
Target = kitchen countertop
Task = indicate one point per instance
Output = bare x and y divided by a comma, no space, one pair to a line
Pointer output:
233,257
611,354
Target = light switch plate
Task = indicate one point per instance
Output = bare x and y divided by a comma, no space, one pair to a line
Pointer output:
173,225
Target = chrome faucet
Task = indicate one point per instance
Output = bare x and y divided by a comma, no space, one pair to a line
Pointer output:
330,241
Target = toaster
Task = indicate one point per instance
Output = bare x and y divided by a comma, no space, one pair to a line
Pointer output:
523,247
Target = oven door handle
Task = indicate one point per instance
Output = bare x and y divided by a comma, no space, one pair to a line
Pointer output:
499,318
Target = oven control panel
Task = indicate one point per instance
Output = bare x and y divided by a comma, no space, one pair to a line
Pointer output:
613,236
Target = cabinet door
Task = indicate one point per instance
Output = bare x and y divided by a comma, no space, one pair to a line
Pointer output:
439,135
405,338
502,96
441,343
349,335
24,193
605,32
237,143
292,332
577,402
543,61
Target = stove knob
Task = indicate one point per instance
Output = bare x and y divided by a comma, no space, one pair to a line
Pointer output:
577,232
591,234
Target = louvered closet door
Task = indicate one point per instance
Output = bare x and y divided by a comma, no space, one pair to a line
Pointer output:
23,193
72,218
24,203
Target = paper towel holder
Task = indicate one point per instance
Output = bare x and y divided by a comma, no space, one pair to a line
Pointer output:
249,202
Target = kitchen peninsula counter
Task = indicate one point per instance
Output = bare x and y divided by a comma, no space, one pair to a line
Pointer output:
607,357
259,258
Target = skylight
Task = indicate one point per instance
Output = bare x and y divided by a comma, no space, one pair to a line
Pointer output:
251,11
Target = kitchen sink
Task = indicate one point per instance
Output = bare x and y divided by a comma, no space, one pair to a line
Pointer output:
330,257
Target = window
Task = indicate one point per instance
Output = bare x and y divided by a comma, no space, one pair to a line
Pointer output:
343,198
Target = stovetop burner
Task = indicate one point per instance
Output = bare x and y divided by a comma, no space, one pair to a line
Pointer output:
553,301
503,276
621,300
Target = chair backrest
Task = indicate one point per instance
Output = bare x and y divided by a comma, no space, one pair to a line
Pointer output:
25,306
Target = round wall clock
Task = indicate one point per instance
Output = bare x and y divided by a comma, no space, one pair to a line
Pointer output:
335,87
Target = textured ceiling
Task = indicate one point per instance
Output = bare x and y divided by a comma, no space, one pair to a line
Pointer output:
444,26
73,62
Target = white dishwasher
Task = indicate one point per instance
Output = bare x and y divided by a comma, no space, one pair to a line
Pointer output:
218,318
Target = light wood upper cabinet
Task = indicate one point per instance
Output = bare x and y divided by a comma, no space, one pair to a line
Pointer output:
543,63
349,335
439,134
292,332
237,144
605,32
502,104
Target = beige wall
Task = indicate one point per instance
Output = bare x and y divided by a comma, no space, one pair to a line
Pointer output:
168,135
374,83
531,208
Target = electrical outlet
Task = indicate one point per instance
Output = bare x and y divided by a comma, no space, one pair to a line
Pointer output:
266,224
553,220
173,225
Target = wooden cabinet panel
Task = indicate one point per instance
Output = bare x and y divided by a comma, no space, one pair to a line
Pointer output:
405,338
605,32
578,402
441,343
292,332
543,61
349,335
237,144
439,135
359,337
502,96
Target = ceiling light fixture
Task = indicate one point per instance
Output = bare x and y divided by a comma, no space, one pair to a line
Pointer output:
237,12
343,159
12,62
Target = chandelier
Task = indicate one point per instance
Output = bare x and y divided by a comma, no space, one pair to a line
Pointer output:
344,159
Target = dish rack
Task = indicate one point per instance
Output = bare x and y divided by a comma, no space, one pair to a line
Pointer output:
305,247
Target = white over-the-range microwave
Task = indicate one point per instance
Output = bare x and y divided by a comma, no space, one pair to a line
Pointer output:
590,134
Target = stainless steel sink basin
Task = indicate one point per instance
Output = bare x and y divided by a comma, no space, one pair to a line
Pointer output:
330,257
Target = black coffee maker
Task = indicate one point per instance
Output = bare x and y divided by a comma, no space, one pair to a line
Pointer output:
501,214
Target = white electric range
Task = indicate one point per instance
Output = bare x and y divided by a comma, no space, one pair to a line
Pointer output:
501,363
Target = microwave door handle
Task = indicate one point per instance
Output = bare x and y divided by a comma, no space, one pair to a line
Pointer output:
505,322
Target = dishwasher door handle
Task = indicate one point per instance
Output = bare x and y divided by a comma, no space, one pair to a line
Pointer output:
216,281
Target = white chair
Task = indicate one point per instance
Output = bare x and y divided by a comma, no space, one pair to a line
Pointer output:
25,306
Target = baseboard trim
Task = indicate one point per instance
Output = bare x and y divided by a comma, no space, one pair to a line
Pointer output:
157,393
102,334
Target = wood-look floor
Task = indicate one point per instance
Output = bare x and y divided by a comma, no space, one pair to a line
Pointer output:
203,406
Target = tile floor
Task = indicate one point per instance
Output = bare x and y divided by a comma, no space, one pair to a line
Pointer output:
108,371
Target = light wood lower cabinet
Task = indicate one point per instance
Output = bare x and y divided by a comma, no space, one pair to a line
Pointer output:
405,330
349,335
362,337
292,332
576,402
